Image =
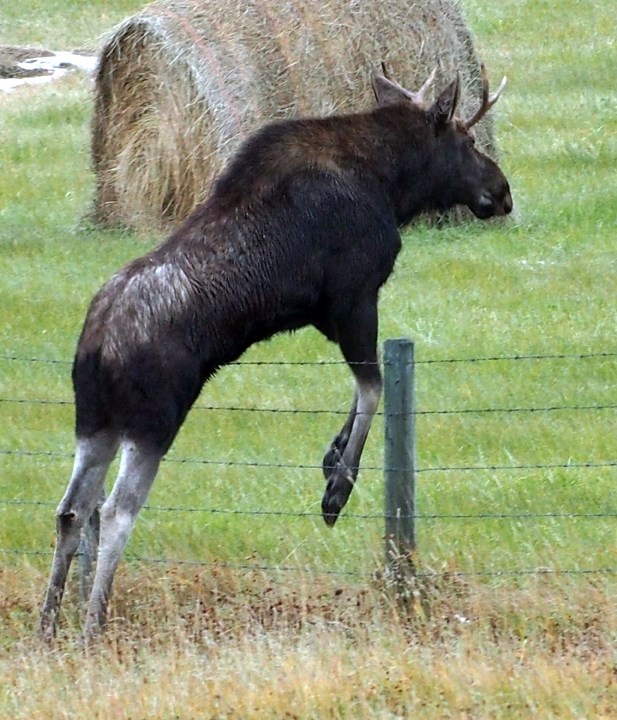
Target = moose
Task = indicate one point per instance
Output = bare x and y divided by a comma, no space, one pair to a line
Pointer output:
301,228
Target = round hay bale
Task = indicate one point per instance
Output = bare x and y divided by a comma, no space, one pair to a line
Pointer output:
180,84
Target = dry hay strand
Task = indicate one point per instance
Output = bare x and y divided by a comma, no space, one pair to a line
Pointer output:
183,82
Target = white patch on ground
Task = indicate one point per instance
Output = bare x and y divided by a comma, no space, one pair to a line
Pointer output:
52,68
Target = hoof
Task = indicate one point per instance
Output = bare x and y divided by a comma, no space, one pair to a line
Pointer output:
91,637
340,484
47,631
48,621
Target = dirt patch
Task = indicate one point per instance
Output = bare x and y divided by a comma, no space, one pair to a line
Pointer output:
11,55
35,66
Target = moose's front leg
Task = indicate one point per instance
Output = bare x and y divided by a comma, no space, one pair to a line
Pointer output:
342,460
334,454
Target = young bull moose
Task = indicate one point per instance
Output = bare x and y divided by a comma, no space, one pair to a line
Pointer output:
302,228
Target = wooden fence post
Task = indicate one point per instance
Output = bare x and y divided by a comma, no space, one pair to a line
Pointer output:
399,456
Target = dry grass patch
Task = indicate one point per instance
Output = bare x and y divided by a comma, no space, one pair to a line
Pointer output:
189,643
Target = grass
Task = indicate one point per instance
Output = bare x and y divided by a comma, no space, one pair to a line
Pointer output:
220,645
202,641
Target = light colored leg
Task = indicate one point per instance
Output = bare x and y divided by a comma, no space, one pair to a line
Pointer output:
93,456
342,461
368,394
138,468
87,552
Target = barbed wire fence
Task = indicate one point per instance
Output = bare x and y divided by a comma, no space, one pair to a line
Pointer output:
400,515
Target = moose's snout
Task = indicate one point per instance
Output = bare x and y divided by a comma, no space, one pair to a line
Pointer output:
503,204
491,204
507,203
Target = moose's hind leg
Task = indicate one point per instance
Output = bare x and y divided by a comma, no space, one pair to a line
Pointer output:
93,455
138,467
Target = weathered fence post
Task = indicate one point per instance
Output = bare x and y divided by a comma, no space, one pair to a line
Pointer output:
399,456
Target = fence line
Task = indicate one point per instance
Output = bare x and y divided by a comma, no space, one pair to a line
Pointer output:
471,517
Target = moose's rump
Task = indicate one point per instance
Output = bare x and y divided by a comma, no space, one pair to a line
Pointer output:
144,400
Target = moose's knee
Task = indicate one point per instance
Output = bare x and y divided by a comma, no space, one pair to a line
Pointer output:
333,456
68,521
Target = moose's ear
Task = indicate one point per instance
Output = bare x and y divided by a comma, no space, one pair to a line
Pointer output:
387,92
443,109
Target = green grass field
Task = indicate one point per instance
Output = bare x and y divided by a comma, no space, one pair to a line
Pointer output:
526,641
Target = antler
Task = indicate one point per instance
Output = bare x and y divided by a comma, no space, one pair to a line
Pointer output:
487,102
385,71
416,96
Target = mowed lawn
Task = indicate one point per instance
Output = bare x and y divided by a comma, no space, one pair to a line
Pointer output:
235,600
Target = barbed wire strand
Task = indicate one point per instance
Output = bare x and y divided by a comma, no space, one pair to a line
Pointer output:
307,411
51,454
348,515
254,567
429,361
